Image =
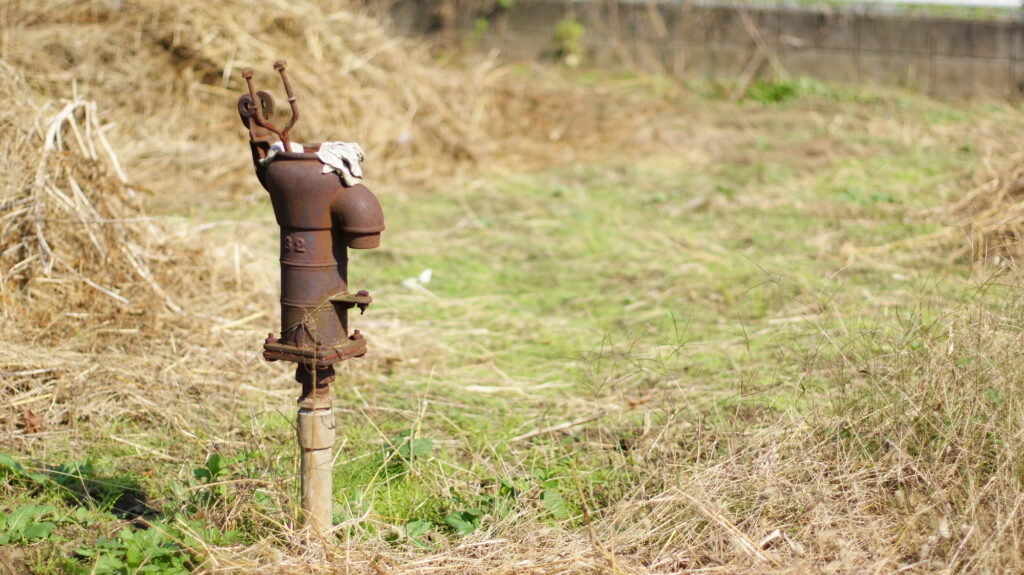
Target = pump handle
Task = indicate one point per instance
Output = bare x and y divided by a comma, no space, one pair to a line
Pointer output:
261,116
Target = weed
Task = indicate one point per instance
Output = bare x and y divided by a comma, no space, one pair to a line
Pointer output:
464,522
554,503
212,470
12,469
416,532
404,448
134,551
778,91
25,524
210,489
567,41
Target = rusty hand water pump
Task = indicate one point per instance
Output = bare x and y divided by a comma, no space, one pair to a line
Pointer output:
322,210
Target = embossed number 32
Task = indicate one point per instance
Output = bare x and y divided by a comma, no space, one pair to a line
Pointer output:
294,244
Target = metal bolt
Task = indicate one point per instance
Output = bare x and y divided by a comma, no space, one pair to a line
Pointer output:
362,306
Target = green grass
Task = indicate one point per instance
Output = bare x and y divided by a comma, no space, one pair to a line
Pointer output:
652,290
622,281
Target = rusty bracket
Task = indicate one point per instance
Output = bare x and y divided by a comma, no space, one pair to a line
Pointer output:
361,300
249,114
320,356
260,115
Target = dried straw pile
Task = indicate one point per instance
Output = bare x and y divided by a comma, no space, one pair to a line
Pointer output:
985,225
85,275
170,71
991,216
70,218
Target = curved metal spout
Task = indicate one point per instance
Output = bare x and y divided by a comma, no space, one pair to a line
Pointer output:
359,217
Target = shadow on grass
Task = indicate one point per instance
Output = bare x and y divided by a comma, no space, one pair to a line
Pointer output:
81,484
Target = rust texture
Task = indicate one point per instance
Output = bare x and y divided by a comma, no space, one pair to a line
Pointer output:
320,219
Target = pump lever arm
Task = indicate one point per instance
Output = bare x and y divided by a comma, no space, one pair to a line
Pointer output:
280,66
258,100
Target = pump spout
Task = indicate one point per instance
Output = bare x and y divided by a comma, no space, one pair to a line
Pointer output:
358,216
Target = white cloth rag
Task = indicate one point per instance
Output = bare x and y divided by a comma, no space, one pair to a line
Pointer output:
295,146
342,158
279,147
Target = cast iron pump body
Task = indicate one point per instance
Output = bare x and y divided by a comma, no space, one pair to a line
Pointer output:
320,216
319,220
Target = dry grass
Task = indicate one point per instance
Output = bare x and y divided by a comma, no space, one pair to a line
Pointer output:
912,465
990,216
982,226
910,462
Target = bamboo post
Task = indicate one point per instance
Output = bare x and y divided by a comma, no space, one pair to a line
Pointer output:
316,440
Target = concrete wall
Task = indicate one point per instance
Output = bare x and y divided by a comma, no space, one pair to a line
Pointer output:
945,57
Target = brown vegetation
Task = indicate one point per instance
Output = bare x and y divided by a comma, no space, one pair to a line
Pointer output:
915,465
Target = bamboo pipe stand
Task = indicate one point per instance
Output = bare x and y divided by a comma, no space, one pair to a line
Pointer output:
315,430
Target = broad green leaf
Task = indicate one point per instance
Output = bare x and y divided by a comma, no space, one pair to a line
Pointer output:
20,517
405,446
417,528
419,447
38,530
212,469
131,555
39,478
107,564
462,522
215,463
9,465
555,504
